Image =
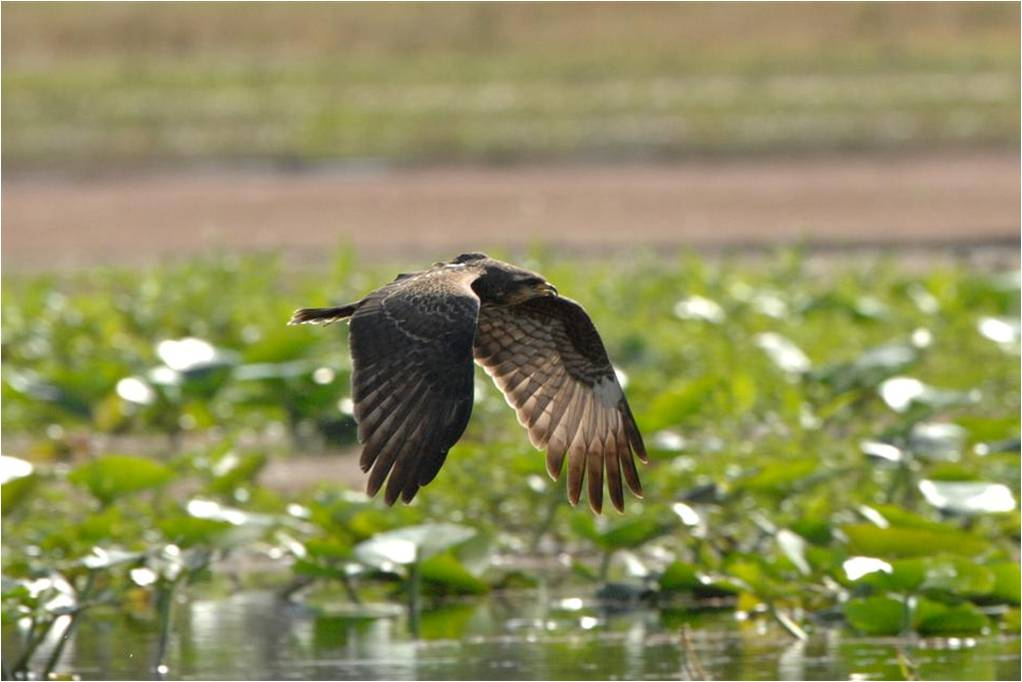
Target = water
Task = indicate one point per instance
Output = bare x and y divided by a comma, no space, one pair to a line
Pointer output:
252,635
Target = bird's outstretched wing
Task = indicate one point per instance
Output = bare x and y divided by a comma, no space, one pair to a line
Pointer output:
411,346
547,358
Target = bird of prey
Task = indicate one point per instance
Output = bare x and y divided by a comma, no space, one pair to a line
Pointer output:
412,345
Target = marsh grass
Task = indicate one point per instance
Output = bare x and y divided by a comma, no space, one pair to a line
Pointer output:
115,88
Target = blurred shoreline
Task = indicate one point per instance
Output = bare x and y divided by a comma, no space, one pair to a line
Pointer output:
933,201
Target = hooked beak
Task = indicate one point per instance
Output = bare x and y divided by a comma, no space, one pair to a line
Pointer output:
547,289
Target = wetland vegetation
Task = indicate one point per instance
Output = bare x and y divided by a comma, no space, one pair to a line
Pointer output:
834,470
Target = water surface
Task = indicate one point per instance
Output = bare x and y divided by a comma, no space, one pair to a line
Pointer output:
253,635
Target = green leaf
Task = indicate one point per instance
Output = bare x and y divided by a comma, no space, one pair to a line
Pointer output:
188,531
968,497
16,491
112,476
870,540
958,576
941,620
18,479
232,470
317,569
1007,580
907,575
633,533
444,570
680,577
947,574
328,548
794,548
621,535
779,477
876,615
412,543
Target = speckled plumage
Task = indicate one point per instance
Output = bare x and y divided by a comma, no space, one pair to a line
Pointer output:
412,345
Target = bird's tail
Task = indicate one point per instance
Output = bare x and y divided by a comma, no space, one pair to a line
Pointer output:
322,315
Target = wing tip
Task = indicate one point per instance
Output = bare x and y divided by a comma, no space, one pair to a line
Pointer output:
321,316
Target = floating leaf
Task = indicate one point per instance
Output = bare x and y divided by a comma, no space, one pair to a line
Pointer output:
1003,330
941,620
668,440
232,470
958,576
870,540
783,353
1007,582
190,354
968,497
885,452
876,615
937,440
100,557
632,533
111,476
413,543
794,547
901,393
12,468
688,515
699,308
136,390
869,369
18,480
780,476
679,577
188,531
858,566
444,570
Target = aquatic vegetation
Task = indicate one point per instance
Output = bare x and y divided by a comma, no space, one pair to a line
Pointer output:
827,445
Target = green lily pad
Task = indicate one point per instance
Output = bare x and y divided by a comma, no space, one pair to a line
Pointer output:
18,479
112,476
680,577
624,534
784,353
444,571
413,543
941,620
794,548
870,540
1007,581
968,497
876,615
188,531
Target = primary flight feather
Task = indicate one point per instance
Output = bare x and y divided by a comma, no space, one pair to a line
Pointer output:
412,346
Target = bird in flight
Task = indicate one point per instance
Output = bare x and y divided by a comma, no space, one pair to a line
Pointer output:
412,345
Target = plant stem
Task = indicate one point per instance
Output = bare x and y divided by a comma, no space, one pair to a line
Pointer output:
414,588
553,504
36,636
789,625
164,602
349,588
58,649
605,565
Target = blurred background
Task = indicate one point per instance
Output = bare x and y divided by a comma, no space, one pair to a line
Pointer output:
133,132
796,226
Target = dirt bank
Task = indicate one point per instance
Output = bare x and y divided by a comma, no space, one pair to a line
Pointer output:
928,199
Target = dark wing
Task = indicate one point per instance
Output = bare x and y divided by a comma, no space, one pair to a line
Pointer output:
411,346
547,358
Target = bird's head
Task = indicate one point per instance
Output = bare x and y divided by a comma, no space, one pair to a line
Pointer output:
503,283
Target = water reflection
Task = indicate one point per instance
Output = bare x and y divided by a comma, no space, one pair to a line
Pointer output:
520,636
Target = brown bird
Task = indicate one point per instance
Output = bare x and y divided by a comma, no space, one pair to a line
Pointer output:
412,344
